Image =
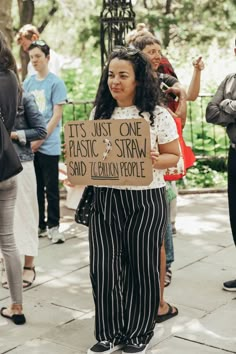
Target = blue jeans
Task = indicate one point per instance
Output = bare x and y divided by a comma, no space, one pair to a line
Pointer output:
169,246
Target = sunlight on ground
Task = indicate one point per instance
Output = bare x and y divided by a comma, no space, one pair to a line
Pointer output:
195,327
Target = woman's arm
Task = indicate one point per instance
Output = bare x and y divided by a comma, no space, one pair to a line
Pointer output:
215,113
181,111
194,86
166,152
168,155
34,121
55,119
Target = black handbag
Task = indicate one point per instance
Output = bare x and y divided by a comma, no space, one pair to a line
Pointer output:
10,164
83,210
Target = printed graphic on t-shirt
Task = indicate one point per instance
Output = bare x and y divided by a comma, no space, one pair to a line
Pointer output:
40,99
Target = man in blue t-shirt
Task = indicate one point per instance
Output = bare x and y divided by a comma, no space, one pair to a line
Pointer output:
50,95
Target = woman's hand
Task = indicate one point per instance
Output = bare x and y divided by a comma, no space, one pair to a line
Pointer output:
199,64
35,145
14,136
154,156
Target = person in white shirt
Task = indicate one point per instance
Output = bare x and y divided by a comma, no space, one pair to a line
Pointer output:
127,223
28,34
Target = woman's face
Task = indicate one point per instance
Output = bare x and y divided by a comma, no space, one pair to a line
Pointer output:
25,43
153,53
121,82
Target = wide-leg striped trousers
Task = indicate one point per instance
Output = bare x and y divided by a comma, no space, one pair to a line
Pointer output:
125,235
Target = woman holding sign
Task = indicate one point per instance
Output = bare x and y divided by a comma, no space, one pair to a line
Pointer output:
128,222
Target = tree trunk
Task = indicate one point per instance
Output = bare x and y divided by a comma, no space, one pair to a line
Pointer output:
6,20
145,4
51,13
26,14
166,32
26,11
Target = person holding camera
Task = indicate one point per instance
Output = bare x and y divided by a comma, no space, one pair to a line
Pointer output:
174,98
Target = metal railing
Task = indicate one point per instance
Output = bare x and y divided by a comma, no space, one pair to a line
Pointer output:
207,140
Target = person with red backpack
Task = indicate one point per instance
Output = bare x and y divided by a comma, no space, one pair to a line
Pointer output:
172,91
175,98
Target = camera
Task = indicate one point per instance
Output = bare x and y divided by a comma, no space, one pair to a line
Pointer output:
165,87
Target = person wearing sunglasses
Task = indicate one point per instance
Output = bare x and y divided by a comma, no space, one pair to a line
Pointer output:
28,34
50,94
124,274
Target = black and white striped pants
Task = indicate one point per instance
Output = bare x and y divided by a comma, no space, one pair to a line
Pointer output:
125,235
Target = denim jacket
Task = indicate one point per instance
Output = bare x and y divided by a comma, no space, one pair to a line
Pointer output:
29,126
8,97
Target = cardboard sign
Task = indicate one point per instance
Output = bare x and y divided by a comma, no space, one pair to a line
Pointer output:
108,152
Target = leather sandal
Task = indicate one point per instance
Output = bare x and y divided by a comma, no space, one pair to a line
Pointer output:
172,312
18,319
27,283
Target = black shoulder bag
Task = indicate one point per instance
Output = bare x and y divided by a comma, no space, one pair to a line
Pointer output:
10,164
83,210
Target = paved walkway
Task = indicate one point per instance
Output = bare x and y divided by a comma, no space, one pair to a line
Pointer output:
59,306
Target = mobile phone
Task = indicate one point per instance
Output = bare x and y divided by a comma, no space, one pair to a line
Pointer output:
164,87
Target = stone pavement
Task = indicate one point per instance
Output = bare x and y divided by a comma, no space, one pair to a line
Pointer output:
59,306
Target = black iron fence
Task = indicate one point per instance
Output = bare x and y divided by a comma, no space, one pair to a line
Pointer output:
207,140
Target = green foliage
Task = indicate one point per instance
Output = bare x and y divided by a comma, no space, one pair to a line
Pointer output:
186,29
75,28
206,139
81,86
82,82
197,22
206,174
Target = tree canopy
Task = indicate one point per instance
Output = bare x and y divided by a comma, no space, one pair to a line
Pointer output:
75,24
73,27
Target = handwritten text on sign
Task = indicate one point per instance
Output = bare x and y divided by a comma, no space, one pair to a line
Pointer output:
108,152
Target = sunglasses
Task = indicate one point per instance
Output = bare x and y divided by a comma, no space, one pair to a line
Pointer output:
129,50
39,42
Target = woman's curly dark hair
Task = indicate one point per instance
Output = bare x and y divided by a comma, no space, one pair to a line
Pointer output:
7,60
147,90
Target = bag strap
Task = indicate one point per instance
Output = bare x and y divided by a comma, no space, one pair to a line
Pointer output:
1,116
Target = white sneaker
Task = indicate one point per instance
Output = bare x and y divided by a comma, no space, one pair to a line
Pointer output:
55,236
